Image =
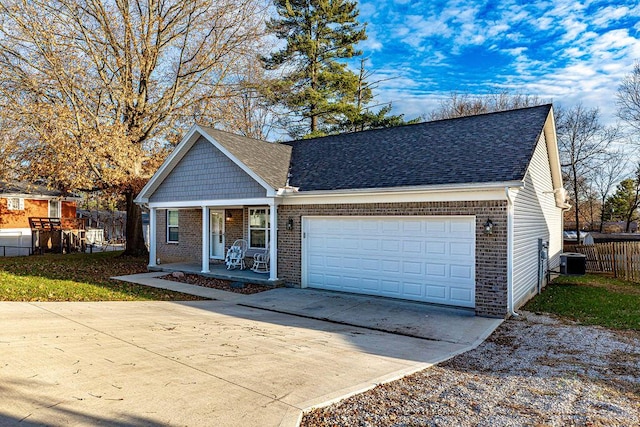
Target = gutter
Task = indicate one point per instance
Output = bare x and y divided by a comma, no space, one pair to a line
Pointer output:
510,296
289,191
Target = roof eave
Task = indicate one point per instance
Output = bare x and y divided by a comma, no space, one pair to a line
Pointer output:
482,186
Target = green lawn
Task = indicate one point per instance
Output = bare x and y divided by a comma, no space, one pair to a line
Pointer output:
76,277
591,300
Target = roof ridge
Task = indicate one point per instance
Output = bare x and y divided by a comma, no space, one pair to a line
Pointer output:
409,125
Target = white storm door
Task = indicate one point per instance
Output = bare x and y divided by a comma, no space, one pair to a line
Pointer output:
216,225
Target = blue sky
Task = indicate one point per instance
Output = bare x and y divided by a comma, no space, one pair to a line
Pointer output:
564,51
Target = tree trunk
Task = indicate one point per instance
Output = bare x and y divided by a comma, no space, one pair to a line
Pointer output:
575,190
135,238
602,214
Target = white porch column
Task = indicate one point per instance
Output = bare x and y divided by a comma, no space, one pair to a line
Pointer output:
153,224
205,239
273,245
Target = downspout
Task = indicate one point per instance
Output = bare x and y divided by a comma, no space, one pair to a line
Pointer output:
510,301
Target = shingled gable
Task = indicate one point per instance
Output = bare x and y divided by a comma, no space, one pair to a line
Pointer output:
488,148
268,160
265,162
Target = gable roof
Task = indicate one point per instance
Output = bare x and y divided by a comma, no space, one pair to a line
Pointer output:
268,160
267,163
487,148
24,188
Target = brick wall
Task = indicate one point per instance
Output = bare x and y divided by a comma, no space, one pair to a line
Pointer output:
189,246
233,226
491,250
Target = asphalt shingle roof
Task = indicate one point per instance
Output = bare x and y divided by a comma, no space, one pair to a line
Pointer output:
268,160
495,147
21,187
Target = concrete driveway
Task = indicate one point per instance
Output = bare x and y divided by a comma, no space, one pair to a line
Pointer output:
211,363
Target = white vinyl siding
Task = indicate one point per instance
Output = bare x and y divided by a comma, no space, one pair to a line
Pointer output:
535,217
429,259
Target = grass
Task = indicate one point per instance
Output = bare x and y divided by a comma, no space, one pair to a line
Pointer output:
76,277
591,300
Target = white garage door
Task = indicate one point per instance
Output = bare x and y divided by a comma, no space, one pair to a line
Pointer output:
429,259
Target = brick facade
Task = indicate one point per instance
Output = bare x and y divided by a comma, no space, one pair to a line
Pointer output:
491,250
189,246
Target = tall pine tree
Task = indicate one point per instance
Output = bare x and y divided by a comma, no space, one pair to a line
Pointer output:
317,86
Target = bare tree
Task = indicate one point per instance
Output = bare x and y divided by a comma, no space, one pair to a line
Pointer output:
628,98
582,141
604,178
98,89
242,107
461,105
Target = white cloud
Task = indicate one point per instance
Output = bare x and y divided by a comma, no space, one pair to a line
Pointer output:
566,50
609,14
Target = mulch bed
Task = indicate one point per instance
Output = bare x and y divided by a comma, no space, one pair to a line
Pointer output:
223,285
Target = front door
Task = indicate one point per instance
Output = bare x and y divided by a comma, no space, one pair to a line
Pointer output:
217,235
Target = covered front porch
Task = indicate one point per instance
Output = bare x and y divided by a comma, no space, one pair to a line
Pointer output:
219,271
196,238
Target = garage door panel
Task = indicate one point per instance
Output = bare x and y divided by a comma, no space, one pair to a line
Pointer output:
463,228
436,248
412,247
461,272
461,248
411,227
369,264
391,266
461,296
436,270
412,267
370,284
370,245
436,227
390,287
438,293
412,289
391,227
351,283
351,263
428,259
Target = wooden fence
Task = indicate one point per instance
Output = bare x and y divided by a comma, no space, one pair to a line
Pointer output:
621,259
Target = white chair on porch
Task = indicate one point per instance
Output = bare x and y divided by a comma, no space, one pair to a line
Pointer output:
235,255
261,261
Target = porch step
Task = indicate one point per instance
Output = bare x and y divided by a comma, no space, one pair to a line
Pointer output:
244,276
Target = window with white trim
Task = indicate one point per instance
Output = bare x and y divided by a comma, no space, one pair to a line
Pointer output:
54,209
259,223
172,226
15,204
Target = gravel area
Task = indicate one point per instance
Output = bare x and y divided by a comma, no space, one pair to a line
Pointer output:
534,370
210,282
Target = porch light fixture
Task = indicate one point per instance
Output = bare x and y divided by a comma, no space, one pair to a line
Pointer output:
488,227
229,216
290,224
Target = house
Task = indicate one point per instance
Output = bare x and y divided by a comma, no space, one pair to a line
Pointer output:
463,212
20,201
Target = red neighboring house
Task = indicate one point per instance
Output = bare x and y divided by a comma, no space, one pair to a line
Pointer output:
20,201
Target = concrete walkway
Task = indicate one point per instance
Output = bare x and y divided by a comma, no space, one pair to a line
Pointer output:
214,363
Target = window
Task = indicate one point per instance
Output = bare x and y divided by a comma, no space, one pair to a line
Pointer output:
54,209
259,227
15,204
172,226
